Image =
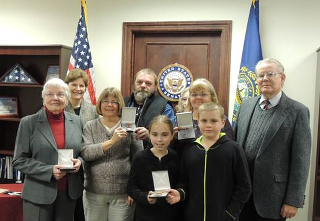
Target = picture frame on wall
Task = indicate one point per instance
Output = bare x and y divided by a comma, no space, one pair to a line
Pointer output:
53,72
8,107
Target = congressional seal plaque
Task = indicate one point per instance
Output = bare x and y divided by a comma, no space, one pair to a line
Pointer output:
172,80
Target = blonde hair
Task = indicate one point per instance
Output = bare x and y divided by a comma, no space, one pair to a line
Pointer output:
110,91
179,108
202,84
161,119
211,107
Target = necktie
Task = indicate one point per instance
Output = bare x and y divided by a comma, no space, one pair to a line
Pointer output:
266,105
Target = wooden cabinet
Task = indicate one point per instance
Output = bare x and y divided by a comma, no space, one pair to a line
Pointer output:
316,200
35,60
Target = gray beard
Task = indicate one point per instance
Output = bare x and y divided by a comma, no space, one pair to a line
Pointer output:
140,96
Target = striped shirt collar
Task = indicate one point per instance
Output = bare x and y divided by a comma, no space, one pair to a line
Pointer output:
273,101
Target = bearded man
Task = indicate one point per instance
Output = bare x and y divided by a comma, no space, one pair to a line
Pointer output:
148,104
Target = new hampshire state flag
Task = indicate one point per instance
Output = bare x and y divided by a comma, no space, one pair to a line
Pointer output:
251,54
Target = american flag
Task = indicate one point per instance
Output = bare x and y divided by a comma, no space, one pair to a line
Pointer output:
81,54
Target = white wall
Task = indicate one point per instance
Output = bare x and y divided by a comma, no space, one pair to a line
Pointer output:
289,30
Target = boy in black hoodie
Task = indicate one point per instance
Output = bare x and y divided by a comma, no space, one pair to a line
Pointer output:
214,179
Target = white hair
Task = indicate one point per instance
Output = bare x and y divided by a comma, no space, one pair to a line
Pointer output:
55,82
278,64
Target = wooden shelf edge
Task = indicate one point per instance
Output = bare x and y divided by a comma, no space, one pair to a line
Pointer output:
20,85
7,152
16,119
36,46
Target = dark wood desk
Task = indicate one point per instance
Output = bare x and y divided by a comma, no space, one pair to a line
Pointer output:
11,206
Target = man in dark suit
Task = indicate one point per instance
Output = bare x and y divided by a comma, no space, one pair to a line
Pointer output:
148,104
274,132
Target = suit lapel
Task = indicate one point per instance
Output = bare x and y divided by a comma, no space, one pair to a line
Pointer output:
277,119
44,128
69,129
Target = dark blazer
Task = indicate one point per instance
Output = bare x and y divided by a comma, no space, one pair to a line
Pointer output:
36,153
282,163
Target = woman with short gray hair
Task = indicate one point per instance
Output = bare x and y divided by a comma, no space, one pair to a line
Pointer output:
49,192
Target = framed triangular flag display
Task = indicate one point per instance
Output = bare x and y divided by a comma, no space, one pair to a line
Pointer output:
18,75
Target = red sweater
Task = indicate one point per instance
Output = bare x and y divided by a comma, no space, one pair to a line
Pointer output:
57,127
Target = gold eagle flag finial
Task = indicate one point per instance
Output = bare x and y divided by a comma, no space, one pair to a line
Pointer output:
254,3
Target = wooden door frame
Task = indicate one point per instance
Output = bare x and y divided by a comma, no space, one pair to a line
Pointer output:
130,29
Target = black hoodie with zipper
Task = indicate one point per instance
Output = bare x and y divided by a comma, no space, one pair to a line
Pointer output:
215,183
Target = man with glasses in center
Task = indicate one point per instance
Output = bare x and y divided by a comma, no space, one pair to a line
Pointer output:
274,131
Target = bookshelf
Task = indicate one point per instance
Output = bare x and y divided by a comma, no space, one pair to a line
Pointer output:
35,59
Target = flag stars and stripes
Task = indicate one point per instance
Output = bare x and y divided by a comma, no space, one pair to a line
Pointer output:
81,54
17,75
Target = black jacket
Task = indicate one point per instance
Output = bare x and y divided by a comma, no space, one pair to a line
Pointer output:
141,182
216,182
152,106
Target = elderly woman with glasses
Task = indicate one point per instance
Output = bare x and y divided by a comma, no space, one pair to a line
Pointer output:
108,150
49,193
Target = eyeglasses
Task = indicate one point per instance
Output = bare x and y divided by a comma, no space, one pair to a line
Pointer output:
184,99
113,103
202,94
58,95
266,74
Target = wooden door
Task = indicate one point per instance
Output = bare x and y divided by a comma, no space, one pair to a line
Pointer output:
202,47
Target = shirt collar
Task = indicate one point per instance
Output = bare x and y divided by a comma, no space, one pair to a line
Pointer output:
273,101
